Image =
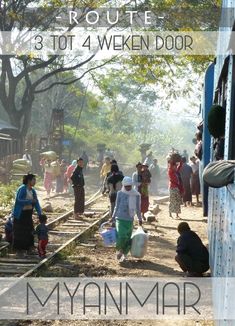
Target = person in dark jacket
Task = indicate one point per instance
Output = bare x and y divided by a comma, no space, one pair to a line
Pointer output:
85,161
192,256
114,183
78,187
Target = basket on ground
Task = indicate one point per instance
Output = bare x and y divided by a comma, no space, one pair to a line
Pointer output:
108,234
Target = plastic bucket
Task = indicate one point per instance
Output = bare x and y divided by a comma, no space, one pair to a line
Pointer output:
108,235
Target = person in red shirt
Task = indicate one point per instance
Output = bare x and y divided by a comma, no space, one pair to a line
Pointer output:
69,173
175,187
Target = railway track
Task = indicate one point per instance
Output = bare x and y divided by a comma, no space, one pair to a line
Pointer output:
64,233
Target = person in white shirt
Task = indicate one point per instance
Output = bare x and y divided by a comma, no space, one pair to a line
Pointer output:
195,180
27,157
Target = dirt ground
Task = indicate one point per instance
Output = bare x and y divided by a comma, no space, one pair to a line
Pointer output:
159,262
100,261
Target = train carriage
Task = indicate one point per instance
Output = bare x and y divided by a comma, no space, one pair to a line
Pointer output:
219,204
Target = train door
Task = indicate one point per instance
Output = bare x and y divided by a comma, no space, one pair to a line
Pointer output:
206,105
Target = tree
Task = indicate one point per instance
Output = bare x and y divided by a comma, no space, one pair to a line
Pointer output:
125,99
66,98
24,76
166,71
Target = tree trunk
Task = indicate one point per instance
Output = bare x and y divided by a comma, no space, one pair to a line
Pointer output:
20,119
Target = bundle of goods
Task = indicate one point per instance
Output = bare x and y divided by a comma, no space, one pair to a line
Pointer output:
50,155
219,174
55,168
21,166
139,243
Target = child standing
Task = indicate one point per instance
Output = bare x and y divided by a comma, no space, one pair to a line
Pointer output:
42,233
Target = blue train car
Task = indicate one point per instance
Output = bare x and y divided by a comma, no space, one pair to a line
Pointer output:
220,203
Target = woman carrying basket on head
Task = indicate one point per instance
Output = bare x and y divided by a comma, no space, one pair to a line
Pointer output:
127,205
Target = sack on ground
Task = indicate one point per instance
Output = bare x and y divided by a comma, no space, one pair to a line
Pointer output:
139,243
219,173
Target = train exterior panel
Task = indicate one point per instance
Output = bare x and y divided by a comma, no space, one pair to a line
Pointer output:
207,100
221,202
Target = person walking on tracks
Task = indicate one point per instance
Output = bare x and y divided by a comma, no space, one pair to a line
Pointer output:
126,206
42,233
26,201
78,186
192,256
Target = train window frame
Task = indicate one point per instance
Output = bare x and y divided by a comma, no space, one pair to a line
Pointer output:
231,143
221,96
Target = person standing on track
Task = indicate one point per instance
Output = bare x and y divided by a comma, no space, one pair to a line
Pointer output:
114,183
42,233
26,201
78,186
